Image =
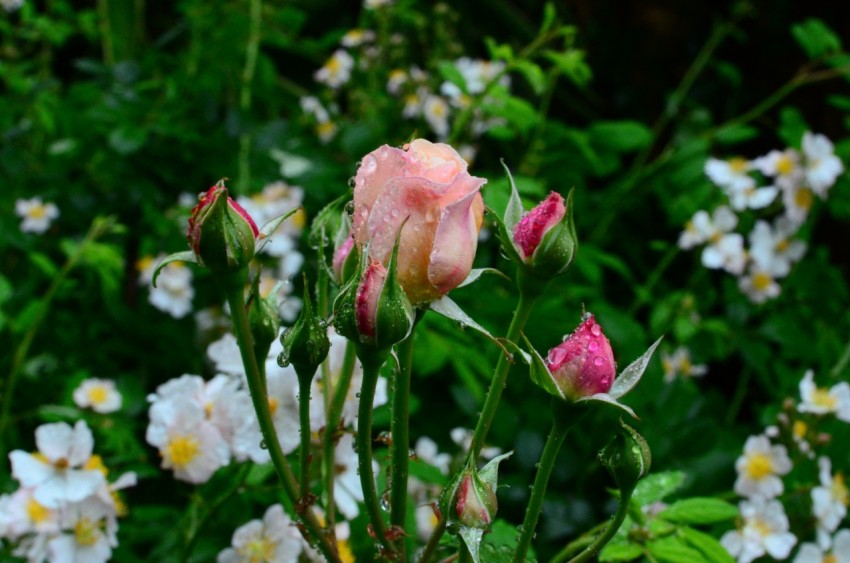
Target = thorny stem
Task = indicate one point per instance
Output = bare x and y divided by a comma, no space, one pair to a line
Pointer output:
371,367
560,427
99,227
235,298
500,375
304,385
577,544
340,392
400,431
593,549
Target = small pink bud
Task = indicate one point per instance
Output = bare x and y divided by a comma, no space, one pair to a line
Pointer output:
340,256
475,502
368,296
583,364
220,232
536,223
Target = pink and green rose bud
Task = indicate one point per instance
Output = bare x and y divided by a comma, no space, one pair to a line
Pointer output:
344,261
475,502
427,186
545,237
221,233
583,364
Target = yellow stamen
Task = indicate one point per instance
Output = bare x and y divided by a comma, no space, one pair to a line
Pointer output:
738,165
182,450
98,394
839,489
37,212
273,404
325,129
345,553
36,512
759,466
85,532
800,429
784,165
95,463
822,398
258,550
782,245
761,281
831,558
803,198
144,263
763,528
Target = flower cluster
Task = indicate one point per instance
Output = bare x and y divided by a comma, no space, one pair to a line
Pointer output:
65,509
419,95
764,527
199,426
796,180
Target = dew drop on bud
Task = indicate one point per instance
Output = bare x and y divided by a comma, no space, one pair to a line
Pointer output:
263,445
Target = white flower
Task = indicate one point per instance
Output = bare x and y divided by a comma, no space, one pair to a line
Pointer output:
773,249
11,5
372,4
98,394
820,400
435,110
426,521
798,200
92,534
274,539
725,250
326,131
813,553
731,175
783,166
829,501
427,451
187,441
337,70
679,363
23,514
312,106
348,491
752,198
764,530
760,467
822,166
357,37
173,292
37,216
759,285
478,73
396,80
413,105
55,473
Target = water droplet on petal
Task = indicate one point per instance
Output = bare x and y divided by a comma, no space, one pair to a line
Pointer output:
598,361
593,346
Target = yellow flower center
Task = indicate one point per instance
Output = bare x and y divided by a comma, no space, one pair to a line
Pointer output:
738,165
685,366
182,450
690,227
782,245
345,553
37,212
120,506
325,129
208,410
668,366
85,532
95,463
759,466
761,281
273,404
762,527
438,110
258,550
831,558
822,398
36,512
803,198
715,237
839,489
98,394
800,429
144,263
299,218
784,165
333,65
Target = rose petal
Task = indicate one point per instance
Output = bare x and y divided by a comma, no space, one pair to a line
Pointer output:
374,172
455,243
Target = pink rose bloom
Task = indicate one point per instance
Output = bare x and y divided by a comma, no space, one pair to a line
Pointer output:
427,185
583,364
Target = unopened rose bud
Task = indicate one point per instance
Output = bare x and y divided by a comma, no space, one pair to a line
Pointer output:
221,233
263,320
306,343
627,457
475,502
583,364
545,237
344,261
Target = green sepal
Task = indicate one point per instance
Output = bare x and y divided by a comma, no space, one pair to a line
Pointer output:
395,316
345,320
540,374
263,319
490,472
184,256
270,227
306,343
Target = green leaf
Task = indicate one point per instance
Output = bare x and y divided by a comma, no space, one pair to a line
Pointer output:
499,544
620,552
572,64
656,486
736,134
451,73
533,74
185,256
43,263
700,510
499,52
708,545
673,550
620,136
792,126
816,38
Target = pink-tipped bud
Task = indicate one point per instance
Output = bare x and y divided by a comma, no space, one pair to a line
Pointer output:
340,261
475,502
583,364
367,299
537,223
220,232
